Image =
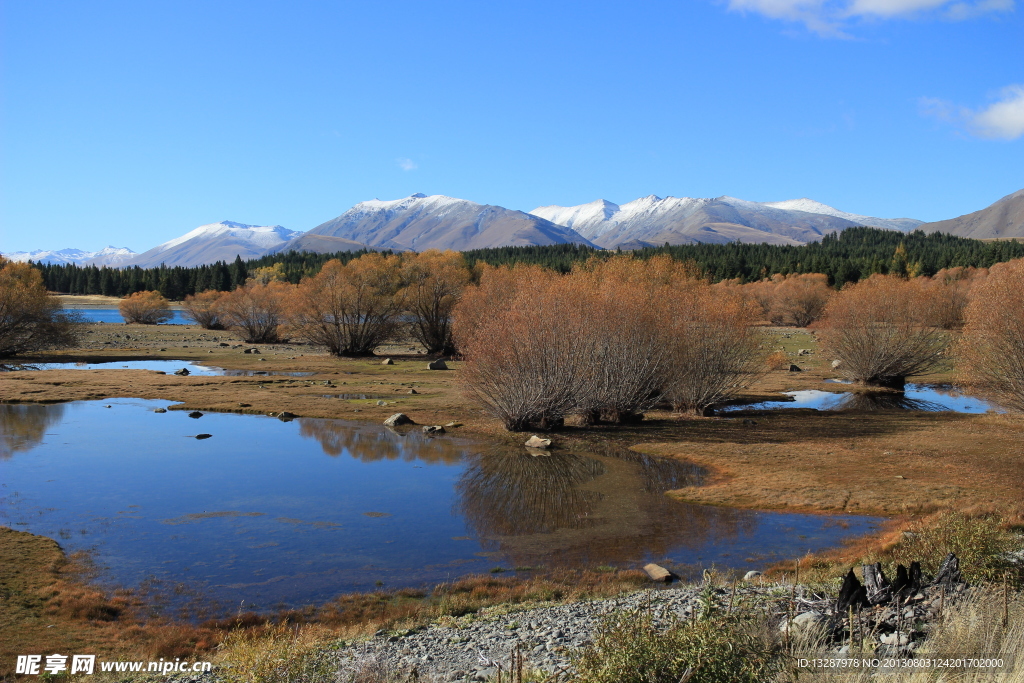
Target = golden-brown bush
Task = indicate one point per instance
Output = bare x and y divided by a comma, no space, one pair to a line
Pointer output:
256,310
990,353
204,309
881,329
799,299
145,308
350,308
31,319
434,281
713,349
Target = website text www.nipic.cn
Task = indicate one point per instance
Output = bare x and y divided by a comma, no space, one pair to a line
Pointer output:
86,664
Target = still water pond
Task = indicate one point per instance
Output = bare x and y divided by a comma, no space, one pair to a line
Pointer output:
286,513
112,315
927,397
167,366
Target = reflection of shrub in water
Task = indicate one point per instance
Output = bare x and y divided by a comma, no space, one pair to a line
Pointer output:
505,493
22,427
887,401
371,445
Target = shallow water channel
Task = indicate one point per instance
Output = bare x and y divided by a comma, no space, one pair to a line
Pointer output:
287,513
927,397
167,366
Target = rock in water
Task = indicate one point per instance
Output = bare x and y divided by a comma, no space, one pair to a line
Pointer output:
437,365
537,442
160,410
183,372
435,429
397,420
195,415
658,573
203,436
285,416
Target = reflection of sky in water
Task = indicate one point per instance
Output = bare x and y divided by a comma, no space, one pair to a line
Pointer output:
294,512
932,398
112,315
167,366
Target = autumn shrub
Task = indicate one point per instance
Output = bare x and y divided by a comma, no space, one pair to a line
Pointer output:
350,308
946,295
145,308
713,349
434,281
255,310
519,334
31,319
799,300
204,309
990,353
881,331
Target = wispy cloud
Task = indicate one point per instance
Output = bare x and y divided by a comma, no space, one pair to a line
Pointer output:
831,17
1001,120
406,164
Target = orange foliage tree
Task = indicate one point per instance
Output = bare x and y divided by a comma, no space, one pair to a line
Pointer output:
882,332
31,319
990,353
434,282
714,351
146,308
204,309
350,308
800,299
256,310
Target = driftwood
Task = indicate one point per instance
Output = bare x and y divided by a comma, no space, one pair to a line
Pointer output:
878,588
852,594
949,572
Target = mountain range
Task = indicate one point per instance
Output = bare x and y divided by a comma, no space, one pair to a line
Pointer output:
421,222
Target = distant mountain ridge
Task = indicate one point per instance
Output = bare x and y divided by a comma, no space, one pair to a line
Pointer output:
223,241
1002,219
108,256
419,222
653,221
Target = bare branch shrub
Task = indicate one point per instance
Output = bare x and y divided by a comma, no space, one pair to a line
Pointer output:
256,310
947,294
714,350
350,308
880,328
518,332
799,300
204,309
31,319
145,308
434,282
990,353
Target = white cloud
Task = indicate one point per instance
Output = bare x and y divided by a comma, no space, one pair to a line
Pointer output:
1001,120
406,164
828,17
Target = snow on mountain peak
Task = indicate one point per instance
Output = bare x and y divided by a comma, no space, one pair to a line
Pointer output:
265,236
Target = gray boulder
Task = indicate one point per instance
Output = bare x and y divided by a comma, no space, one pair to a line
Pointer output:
397,420
537,442
437,365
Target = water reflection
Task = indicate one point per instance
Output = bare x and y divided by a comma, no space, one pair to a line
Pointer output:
371,445
925,397
23,426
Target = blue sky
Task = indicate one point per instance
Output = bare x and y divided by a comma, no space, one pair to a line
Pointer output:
130,123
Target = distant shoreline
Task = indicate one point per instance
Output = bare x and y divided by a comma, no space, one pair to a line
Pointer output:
77,301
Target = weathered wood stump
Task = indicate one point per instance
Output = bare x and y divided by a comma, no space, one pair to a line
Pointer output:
878,588
659,573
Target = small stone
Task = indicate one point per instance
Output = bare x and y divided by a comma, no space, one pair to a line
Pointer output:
894,638
750,576
382,403
183,372
537,442
195,415
203,436
437,365
453,424
434,429
412,391
795,368
387,361
160,410
244,405
397,420
285,416
836,364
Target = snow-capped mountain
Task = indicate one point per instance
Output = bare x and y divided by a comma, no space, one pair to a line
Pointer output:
811,206
216,242
108,256
653,221
419,222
